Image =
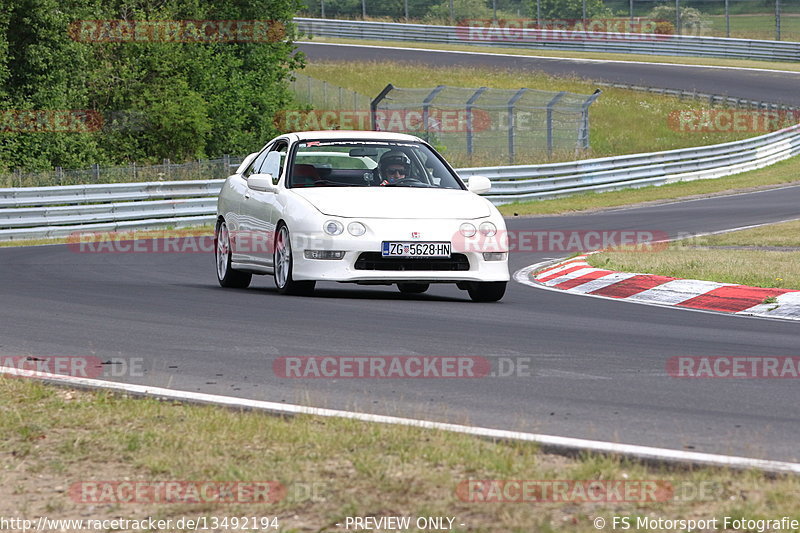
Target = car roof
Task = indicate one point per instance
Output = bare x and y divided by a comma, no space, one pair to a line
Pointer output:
354,135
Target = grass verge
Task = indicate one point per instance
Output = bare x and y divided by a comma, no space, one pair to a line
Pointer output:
330,469
748,257
613,118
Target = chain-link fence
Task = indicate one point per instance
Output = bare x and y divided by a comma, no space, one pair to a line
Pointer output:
486,122
203,169
323,95
747,19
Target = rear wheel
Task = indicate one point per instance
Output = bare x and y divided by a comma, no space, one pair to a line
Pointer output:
413,288
282,262
487,291
227,276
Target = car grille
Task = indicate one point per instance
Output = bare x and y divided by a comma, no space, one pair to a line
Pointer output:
375,261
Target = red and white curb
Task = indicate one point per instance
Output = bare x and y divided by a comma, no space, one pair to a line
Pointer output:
575,275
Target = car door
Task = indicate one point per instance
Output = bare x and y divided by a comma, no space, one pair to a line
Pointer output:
263,206
242,225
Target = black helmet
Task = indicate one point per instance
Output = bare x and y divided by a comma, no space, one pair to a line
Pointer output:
395,157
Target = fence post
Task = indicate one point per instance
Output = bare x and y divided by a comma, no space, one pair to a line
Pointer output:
60,175
426,105
777,20
678,17
226,165
511,123
166,165
550,105
96,170
583,136
373,106
470,104
727,20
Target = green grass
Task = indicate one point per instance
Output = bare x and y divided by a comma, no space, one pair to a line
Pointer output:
757,26
54,438
721,258
621,121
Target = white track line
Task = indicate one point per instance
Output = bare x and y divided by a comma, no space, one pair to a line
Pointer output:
553,58
547,441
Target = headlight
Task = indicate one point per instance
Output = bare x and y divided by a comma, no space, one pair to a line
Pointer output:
333,227
488,229
356,229
467,229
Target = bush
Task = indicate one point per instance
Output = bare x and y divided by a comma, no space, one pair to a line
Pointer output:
693,21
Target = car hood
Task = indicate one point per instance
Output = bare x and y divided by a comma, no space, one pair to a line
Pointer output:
395,202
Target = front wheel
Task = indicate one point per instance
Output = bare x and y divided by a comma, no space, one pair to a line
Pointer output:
227,276
282,263
487,291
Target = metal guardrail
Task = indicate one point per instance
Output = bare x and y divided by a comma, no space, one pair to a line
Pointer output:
624,43
44,212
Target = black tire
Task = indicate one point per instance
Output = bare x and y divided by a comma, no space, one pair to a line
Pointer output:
282,263
226,275
413,288
487,291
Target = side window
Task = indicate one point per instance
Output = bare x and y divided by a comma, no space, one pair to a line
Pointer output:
256,164
274,161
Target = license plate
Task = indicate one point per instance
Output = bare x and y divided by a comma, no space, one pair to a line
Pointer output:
415,249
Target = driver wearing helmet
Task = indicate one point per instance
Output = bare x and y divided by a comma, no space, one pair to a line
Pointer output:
394,166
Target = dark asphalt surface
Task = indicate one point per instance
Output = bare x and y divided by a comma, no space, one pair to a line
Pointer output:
774,87
597,366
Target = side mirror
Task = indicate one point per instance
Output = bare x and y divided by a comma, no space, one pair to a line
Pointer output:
261,182
479,184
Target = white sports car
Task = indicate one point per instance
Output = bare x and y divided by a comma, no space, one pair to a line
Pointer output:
360,207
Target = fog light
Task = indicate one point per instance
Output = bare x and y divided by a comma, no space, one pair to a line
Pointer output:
494,256
323,254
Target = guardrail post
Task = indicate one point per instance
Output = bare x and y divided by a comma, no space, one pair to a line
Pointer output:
583,135
373,106
550,105
512,123
470,104
426,108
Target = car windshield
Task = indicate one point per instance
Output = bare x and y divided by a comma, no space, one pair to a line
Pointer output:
345,163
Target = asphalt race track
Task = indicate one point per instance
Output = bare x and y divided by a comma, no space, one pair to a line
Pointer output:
597,366
774,87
